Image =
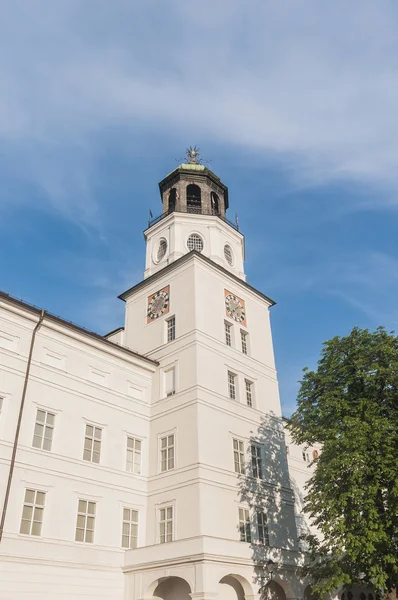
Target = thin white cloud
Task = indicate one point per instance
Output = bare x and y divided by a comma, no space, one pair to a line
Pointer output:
312,82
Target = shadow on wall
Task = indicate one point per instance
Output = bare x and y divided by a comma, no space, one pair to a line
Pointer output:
269,524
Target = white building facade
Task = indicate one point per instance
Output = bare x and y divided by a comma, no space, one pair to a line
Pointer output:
152,462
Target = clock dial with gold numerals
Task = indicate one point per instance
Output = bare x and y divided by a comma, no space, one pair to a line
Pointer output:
158,304
235,307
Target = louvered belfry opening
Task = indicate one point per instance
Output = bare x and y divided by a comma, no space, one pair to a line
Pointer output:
172,200
194,199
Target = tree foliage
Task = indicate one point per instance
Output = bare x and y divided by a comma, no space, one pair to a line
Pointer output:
349,405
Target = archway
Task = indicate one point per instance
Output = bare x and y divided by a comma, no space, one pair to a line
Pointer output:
194,199
308,595
172,588
273,591
215,204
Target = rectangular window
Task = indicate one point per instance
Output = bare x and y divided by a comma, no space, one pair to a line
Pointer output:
133,458
167,453
257,467
92,444
85,522
44,427
243,338
166,524
262,528
130,528
239,456
249,392
32,513
171,329
232,385
306,456
169,382
228,337
244,525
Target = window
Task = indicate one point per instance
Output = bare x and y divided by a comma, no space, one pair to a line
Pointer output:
32,513
167,453
166,524
306,456
171,329
133,459
215,204
169,382
172,200
162,249
228,336
44,427
85,522
243,338
229,257
249,392
232,385
262,528
195,242
257,467
239,456
92,444
244,525
130,528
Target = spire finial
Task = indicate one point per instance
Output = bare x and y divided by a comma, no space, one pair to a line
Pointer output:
193,155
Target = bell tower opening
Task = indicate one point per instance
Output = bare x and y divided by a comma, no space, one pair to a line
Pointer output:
194,199
215,204
172,200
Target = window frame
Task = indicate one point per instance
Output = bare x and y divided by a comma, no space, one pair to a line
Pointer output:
244,342
47,427
228,330
262,527
238,448
256,461
170,329
244,521
133,526
86,515
134,452
163,537
93,439
36,509
232,379
167,450
249,387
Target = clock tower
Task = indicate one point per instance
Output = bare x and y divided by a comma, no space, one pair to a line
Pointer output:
218,488
194,205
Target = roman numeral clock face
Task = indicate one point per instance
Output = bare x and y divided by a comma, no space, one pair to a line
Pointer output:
158,304
235,307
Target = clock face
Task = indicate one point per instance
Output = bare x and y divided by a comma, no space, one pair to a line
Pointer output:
235,307
158,304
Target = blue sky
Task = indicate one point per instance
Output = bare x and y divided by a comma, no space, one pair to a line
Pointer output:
295,104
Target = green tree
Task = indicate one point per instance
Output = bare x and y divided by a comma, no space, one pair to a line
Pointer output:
349,405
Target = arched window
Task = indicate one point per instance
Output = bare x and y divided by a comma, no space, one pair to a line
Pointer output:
215,204
194,201
172,200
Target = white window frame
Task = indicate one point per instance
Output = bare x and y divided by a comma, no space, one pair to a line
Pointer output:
46,428
92,444
305,456
167,452
167,392
256,461
164,518
232,380
32,512
244,341
228,330
134,466
130,527
170,329
86,518
262,527
244,520
249,387
239,456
